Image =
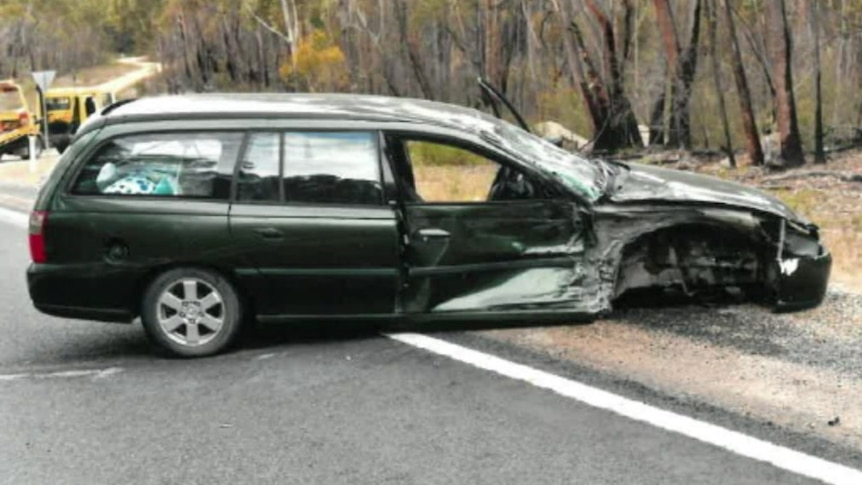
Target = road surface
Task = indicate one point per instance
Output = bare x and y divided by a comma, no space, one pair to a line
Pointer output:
90,403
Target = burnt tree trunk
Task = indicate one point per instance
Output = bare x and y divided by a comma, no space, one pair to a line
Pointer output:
682,66
573,57
656,118
681,115
749,127
716,79
621,127
410,43
785,104
819,152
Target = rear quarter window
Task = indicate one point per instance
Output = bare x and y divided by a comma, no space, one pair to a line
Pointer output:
66,160
187,164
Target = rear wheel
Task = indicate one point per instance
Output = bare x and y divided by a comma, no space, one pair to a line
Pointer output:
191,312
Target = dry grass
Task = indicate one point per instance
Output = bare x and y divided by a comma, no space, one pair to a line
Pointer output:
94,75
838,212
453,183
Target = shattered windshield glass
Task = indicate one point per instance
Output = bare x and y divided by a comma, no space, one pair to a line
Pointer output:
576,172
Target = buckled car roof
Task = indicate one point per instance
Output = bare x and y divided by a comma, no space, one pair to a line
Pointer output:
298,106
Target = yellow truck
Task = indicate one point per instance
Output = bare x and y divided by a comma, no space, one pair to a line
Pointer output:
68,108
16,122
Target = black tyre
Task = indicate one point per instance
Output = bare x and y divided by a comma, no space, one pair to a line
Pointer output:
191,312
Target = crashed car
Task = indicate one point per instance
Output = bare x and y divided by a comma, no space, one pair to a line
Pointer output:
200,213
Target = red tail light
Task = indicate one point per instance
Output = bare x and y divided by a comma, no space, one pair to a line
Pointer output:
38,221
24,118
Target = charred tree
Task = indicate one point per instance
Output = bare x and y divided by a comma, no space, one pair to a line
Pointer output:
682,66
716,79
410,42
819,152
749,127
780,41
656,117
612,118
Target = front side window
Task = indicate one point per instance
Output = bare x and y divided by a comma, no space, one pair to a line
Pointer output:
187,164
442,172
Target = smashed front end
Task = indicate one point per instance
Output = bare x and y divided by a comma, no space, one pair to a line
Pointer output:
709,253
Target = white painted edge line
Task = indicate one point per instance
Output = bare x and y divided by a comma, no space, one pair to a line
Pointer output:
733,441
95,373
15,218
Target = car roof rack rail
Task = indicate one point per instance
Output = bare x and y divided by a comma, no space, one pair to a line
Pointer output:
116,104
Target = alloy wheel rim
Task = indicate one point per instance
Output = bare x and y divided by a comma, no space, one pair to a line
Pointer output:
190,312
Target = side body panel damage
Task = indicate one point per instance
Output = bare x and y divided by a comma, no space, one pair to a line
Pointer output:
540,255
496,256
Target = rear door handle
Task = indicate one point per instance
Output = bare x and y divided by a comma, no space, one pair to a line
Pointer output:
269,233
432,233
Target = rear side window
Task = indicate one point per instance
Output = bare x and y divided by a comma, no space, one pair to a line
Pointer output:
258,178
193,165
312,167
331,168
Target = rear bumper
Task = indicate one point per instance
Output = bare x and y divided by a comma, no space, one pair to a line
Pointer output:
802,281
73,292
80,313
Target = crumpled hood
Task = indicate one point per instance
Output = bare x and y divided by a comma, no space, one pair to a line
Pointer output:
647,183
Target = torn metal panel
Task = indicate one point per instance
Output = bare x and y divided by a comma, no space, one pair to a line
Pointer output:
489,257
644,183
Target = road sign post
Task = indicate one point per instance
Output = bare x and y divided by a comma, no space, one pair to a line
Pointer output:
43,82
31,141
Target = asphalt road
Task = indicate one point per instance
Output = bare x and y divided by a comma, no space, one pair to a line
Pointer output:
90,403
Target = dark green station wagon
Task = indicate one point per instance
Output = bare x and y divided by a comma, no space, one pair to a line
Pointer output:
199,213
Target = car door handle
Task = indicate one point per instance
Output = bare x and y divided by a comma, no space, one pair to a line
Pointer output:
433,233
269,233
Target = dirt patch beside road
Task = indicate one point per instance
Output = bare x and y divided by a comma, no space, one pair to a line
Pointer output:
799,371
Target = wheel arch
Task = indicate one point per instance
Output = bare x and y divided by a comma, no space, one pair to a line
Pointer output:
246,299
678,252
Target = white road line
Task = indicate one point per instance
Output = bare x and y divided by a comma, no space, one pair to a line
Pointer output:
733,441
95,373
12,377
15,218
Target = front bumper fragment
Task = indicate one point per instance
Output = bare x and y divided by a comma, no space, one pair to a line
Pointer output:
802,281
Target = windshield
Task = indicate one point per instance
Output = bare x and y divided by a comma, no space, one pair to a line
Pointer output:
576,172
10,99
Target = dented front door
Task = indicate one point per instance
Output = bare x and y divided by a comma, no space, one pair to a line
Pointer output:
493,256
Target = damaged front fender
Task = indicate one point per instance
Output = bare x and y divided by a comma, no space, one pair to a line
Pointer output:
700,251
